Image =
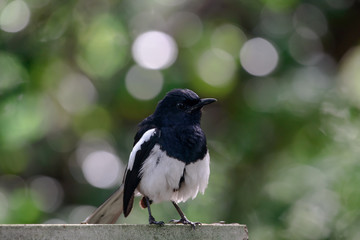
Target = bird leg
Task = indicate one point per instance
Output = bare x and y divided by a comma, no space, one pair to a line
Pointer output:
151,218
183,218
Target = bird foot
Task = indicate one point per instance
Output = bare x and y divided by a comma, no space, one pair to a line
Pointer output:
152,221
185,221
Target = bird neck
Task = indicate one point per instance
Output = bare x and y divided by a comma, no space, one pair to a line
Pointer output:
183,121
186,143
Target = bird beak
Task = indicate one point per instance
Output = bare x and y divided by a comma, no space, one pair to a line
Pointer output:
203,102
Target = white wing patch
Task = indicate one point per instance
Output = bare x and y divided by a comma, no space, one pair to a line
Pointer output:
145,137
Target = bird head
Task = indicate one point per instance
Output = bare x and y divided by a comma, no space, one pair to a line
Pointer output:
180,107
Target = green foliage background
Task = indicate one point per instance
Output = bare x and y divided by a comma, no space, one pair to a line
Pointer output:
284,147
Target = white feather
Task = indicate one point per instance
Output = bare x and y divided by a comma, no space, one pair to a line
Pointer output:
196,179
161,175
145,137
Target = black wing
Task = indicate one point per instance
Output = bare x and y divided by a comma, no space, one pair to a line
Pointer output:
147,124
132,177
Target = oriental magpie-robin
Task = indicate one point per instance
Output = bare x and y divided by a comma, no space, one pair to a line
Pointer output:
169,161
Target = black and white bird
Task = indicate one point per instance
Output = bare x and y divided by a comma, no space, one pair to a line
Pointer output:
169,161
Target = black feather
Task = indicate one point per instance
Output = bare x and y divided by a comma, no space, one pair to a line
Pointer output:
132,177
177,120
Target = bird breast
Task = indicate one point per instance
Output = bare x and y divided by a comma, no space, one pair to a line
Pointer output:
165,178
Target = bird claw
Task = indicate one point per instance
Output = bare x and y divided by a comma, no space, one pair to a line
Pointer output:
159,223
185,221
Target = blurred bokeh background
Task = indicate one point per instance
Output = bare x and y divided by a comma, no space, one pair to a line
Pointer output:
77,76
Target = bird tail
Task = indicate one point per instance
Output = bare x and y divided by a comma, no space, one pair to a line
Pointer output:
109,211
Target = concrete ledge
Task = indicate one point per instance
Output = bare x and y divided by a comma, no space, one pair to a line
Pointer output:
122,231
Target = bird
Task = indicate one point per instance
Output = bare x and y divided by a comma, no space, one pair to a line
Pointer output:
169,161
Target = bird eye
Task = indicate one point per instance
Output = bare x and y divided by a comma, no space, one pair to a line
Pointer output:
180,106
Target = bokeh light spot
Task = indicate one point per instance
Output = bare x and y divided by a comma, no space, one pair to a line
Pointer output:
23,207
79,213
305,47
24,118
216,67
309,84
276,23
312,212
259,57
11,182
145,21
15,16
92,142
309,16
12,72
186,27
102,169
154,50
143,84
349,75
76,93
47,193
104,47
55,26
228,38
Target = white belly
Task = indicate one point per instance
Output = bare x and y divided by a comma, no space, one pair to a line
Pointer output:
161,175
